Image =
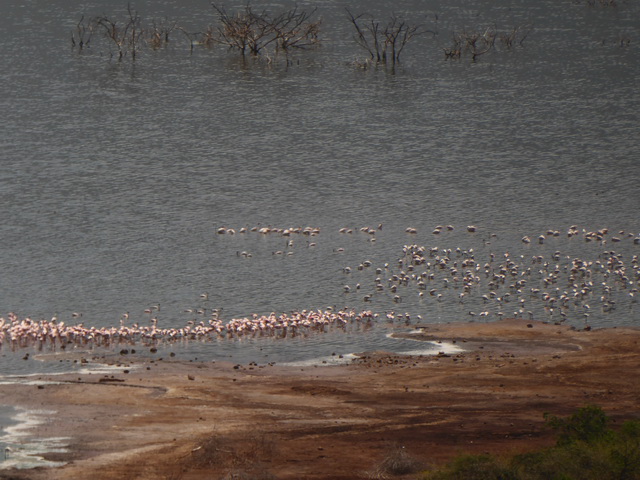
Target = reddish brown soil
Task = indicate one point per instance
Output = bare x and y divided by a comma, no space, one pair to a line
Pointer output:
188,421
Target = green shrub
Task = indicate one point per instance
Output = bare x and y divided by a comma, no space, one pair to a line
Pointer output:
588,424
625,451
586,449
578,461
474,467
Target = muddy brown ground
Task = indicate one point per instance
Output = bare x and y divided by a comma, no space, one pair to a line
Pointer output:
186,420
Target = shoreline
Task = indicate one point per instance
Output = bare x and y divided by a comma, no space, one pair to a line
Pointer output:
32,456
159,417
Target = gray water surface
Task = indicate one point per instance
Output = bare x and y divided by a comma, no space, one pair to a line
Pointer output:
114,176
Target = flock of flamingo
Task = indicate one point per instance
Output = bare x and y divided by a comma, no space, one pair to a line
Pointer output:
504,284
516,286
22,332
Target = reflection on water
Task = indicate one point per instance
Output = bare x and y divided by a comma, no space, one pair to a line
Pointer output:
115,176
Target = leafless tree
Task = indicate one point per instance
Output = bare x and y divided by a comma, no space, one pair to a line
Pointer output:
158,33
368,36
204,39
294,29
125,36
81,36
516,35
480,43
251,32
378,40
245,30
397,33
477,43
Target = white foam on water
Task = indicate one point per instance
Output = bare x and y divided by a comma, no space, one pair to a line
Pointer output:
322,361
23,452
103,368
444,347
437,347
96,369
430,348
89,368
415,331
26,381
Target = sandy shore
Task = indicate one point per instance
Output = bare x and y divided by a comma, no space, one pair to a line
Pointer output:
164,419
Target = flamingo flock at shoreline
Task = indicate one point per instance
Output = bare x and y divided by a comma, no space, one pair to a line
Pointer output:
504,284
24,332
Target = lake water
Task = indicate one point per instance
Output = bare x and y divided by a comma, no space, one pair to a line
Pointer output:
115,176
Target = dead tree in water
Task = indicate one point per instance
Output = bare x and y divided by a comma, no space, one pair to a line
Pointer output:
250,32
205,39
397,33
126,37
295,30
82,35
245,31
516,35
377,40
476,43
479,44
158,34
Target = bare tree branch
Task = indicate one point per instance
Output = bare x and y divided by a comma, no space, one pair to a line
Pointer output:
394,36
